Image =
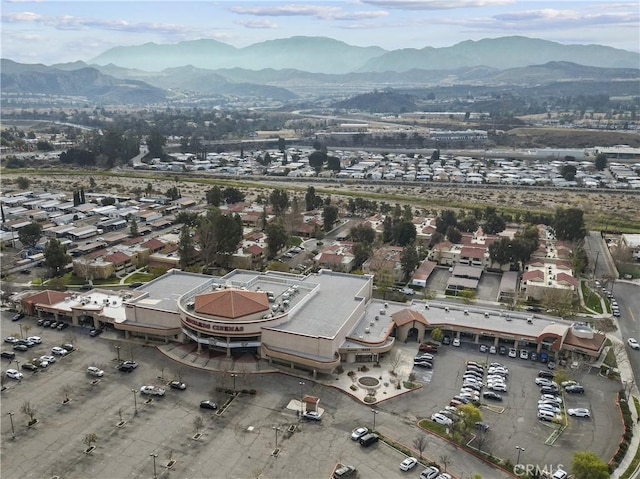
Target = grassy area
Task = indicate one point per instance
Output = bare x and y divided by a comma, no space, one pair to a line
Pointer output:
591,298
610,359
434,427
139,278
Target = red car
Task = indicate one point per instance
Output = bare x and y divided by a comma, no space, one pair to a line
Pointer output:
429,348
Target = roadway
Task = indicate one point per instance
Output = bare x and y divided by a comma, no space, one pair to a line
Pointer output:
628,296
599,256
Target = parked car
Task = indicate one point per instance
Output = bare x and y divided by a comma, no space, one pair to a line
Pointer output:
424,357
41,321
20,347
429,348
633,343
575,389
502,351
68,346
127,366
58,351
178,385
358,432
545,374
152,390
312,415
549,407
551,365
48,358
17,317
513,353
368,439
456,342
94,371
492,395
533,356
343,472
524,354
35,339
62,326
544,357
551,397
408,464
14,374
441,419
543,381
446,340
96,332
482,426
53,325
483,348
493,350
579,412
569,382
560,474
549,390
423,364
430,472
208,405
498,387
10,340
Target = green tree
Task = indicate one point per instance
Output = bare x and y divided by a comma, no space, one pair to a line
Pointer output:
133,227
333,163
214,196
601,161
569,224
219,236
173,193
155,143
409,260
276,237
30,234
311,199
470,416
454,235
233,195
437,334
282,144
587,465
186,248
317,160
23,182
56,257
329,217
279,200
494,224
361,253
362,233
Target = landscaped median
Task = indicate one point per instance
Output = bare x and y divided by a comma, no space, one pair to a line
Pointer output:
441,431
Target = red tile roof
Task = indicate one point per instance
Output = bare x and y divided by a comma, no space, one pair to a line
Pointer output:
47,297
407,315
231,303
117,258
535,275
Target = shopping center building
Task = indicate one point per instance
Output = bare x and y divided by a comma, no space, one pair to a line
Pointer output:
313,322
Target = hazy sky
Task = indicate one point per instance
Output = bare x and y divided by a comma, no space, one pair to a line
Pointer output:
43,31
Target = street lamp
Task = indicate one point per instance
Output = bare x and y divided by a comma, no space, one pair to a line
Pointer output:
234,376
117,348
21,337
276,429
135,401
301,397
520,449
375,413
18,364
13,432
155,475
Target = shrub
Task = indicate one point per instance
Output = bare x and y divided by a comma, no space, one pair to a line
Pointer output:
351,374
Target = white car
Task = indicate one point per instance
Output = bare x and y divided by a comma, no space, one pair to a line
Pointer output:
560,474
35,339
408,464
579,412
456,342
633,343
48,358
14,374
430,472
513,353
152,390
444,475
94,371
441,419
549,407
551,397
358,432
492,350
545,382
496,377
57,350
498,387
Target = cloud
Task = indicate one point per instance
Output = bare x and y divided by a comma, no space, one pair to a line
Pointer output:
552,18
258,24
316,11
68,22
436,4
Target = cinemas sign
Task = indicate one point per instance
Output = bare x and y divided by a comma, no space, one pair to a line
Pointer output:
214,327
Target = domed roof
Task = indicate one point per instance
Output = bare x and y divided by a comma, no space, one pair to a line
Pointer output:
231,303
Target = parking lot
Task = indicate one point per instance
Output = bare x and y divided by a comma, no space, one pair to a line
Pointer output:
237,443
513,421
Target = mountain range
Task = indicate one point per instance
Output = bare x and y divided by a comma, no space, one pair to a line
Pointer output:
310,67
326,55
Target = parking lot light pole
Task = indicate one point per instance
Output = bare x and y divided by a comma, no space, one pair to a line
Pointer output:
21,336
234,376
135,401
301,397
18,364
520,449
155,474
276,429
117,348
13,431
375,413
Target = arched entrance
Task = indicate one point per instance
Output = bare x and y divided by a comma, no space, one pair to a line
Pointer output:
412,335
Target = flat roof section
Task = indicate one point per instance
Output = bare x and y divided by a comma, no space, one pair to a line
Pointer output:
164,292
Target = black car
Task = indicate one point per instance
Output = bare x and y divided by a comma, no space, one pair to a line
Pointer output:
446,340
62,326
96,332
46,324
208,405
502,351
29,367
127,366
178,385
8,354
41,321
549,390
68,346
17,317
54,325
546,374
137,284
20,347
492,395
575,389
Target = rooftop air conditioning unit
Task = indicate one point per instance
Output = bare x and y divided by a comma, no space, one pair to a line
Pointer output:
466,311
426,305
446,308
486,315
367,330
529,321
382,312
377,318
386,305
